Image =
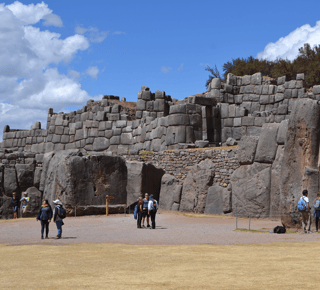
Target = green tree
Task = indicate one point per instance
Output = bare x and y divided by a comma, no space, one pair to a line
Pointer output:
214,73
307,62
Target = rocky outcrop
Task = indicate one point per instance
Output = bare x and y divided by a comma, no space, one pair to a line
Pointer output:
251,190
195,187
218,200
85,180
170,193
300,165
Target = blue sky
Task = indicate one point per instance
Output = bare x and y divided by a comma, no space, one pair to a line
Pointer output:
61,53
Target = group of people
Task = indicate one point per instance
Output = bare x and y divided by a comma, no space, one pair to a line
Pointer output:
15,202
46,214
147,207
305,210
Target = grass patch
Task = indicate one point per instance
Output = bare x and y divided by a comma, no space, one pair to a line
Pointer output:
119,266
201,215
251,231
145,152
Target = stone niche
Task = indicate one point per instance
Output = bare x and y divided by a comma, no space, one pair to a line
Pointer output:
143,178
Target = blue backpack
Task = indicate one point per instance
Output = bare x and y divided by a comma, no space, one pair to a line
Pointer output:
135,213
316,204
302,205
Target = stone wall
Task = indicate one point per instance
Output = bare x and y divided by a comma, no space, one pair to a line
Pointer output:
179,162
247,102
105,126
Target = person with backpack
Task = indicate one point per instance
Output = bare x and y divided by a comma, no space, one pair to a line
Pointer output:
316,213
45,216
152,209
58,216
305,210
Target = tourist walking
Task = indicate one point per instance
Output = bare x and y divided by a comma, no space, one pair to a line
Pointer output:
139,212
145,210
316,213
45,216
152,209
306,212
15,203
58,216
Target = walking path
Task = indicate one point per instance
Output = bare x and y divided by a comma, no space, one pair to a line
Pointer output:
172,229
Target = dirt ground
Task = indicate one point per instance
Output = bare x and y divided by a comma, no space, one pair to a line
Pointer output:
183,252
171,229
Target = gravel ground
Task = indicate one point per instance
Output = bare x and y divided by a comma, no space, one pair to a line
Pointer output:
171,229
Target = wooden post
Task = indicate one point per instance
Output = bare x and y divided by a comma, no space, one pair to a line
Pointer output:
108,198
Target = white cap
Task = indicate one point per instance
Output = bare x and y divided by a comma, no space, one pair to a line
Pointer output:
57,201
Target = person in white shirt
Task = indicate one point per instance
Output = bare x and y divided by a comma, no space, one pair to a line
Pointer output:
306,214
152,210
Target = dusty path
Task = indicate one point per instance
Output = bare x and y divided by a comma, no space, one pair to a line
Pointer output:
172,229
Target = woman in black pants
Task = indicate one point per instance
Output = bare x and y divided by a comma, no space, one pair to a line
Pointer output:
45,216
316,213
140,204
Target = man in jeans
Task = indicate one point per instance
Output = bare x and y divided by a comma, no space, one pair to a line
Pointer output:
306,214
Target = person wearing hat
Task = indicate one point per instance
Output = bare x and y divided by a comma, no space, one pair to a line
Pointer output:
56,217
15,203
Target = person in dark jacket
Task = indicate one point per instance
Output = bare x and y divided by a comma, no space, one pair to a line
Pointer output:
45,216
15,203
139,212
56,217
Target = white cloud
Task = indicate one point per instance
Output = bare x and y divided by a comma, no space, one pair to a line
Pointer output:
93,71
74,74
32,14
180,68
52,19
118,32
288,46
30,81
92,33
166,69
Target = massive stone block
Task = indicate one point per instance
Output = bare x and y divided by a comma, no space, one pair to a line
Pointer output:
195,187
100,144
10,182
282,132
25,175
275,200
251,190
218,200
267,145
300,161
170,192
247,149
78,180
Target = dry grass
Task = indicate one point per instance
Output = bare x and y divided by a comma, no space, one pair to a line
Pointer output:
119,266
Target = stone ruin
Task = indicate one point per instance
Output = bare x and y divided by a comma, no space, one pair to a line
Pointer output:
170,148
